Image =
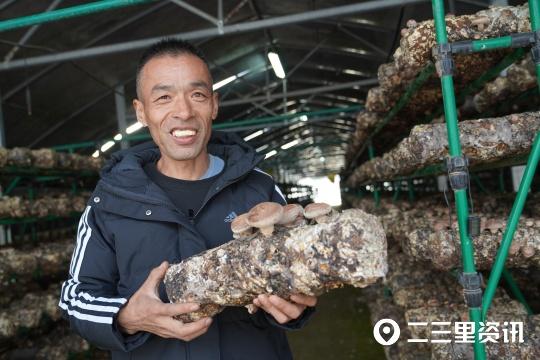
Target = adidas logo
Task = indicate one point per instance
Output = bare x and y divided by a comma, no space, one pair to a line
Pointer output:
230,217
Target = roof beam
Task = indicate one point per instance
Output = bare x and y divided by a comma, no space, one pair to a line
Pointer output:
362,41
194,10
11,53
211,32
36,76
302,92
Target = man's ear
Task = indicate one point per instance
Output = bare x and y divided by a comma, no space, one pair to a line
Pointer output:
139,111
215,108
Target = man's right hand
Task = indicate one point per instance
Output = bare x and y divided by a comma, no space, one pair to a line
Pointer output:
146,312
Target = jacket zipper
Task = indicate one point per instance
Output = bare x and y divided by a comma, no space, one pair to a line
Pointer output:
218,189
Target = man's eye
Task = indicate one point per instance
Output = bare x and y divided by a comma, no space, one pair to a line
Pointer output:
163,97
199,94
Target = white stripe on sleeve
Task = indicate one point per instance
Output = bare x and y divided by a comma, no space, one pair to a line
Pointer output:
71,299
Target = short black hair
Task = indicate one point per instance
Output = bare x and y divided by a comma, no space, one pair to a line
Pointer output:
167,46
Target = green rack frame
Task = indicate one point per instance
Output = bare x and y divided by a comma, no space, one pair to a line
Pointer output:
478,310
70,12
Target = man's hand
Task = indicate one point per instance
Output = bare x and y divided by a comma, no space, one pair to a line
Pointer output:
282,310
146,312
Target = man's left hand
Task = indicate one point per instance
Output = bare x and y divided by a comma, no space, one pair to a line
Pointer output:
282,310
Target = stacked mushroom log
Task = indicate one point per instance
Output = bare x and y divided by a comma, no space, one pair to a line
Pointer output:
443,249
411,293
28,312
30,319
30,327
503,311
424,294
45,235
48,159
33,263
425,233
483,141
59,344
381,306
24,269
518,78
62,205
414,54
295,250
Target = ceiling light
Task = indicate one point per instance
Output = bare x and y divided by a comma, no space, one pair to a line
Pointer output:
95,154
290,144
242,73
270,154
276,64
117,137
133,127
224,82
254,135
109,144
261,148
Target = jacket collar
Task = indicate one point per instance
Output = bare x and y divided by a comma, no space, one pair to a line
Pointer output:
123,174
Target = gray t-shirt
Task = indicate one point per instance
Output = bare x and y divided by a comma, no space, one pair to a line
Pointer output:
187,195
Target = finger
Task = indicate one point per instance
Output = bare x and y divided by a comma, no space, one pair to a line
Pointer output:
174,309
172,328
189,329
272,310
252,308
290,309
156,275
304,299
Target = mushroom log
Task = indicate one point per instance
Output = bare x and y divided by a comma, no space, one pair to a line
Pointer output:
349,248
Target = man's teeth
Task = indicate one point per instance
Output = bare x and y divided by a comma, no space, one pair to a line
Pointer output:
182,133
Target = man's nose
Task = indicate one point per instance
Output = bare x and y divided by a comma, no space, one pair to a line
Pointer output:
183,109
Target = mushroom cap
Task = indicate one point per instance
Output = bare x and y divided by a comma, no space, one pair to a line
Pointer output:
290,213
240,224
264,214
314,210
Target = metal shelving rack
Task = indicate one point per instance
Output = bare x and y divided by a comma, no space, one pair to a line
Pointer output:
477,303
456,166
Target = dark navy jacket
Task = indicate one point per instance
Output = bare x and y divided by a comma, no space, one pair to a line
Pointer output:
130,226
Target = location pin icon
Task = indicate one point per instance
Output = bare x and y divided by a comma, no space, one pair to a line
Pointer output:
386,332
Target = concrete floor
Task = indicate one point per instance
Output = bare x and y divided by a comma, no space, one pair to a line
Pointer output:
341,329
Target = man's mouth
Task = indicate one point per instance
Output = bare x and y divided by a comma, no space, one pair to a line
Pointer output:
183,133
183,136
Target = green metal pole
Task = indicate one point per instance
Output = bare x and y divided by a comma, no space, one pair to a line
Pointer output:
479,183
492,44
515,290
410,190
397,186
511,225
65,13
501,180
450,113
376,193
534,11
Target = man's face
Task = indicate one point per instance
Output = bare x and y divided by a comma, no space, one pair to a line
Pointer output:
177,104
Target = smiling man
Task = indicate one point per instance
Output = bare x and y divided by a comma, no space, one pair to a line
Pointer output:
161,202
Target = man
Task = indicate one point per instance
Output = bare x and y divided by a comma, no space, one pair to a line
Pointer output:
159,203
